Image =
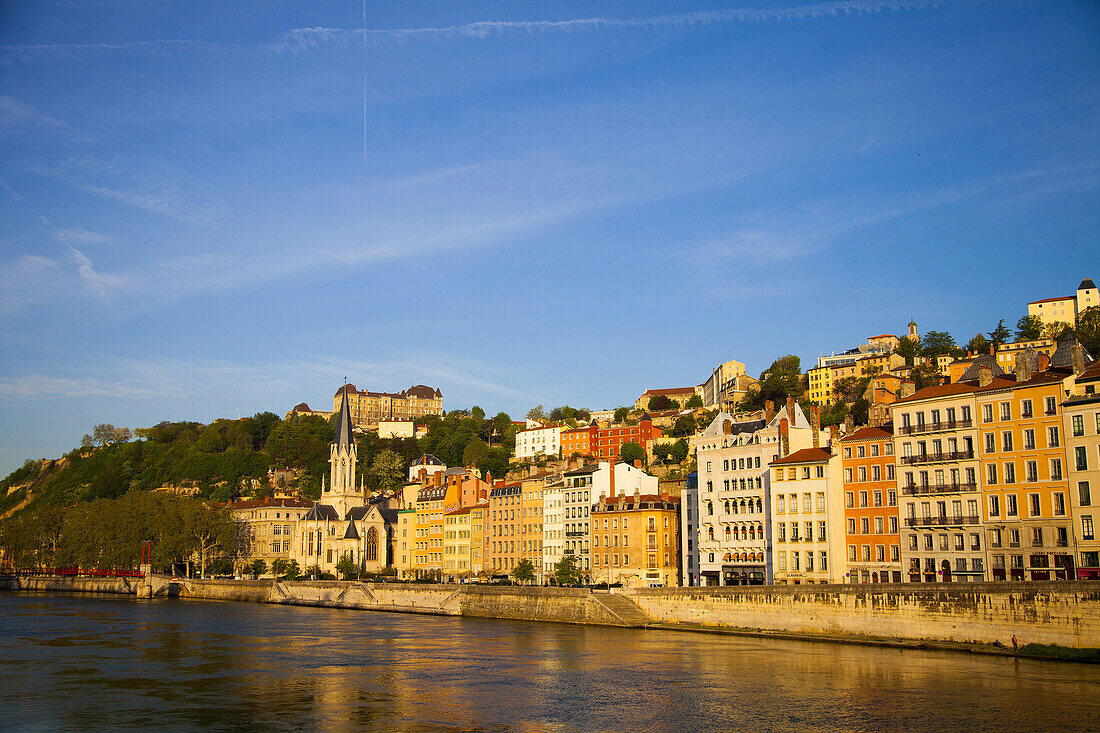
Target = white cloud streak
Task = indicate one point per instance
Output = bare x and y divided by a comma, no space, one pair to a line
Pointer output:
98,282
303,39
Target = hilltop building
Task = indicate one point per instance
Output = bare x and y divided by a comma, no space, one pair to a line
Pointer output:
1065,309
367,408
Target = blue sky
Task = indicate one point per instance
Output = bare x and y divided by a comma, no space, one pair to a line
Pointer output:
220,208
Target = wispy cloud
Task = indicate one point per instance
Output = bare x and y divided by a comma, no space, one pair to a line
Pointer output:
27,280
769,237
143,184
80,236
98,282
13,112
304,39
301,39
164,47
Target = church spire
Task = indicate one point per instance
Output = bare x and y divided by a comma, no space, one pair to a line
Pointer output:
344,434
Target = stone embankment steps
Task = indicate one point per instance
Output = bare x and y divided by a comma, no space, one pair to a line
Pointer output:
623,608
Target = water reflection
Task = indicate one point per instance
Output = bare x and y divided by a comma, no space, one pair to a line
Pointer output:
110,662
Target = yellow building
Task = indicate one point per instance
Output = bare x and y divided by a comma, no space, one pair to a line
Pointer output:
822,379
456,544
531,511
370,408
1024,477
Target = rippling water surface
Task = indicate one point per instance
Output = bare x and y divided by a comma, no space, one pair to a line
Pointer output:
91,662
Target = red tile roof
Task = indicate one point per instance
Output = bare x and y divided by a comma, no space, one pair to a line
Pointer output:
1051,300
806,455
868,433
673,390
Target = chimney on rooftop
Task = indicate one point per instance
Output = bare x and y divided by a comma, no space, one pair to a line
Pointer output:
985,375
1025,366
638,463
790,410
611,466
815,424
784,438
833,437
769,410
993,349
438,478
1043,362
906,389
1077,358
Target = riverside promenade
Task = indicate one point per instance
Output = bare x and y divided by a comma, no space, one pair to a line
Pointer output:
1065,614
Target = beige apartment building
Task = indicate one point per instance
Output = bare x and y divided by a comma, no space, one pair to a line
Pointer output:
1081,426
807,498
937,465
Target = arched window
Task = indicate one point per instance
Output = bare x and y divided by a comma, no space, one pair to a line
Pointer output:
710,533
727,506
735,506
372,544
759,505
710,510
727,533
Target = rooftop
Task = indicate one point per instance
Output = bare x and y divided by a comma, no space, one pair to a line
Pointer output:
806,455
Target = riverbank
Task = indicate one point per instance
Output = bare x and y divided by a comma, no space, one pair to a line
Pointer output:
1049,620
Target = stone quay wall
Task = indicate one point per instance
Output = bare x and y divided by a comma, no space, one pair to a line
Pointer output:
1063,613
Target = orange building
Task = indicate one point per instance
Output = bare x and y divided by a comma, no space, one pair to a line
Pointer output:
579,441
871,506
636,540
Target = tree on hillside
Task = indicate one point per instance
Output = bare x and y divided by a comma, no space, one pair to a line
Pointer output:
621,414
567,571
536,413
695,401
1029,328
679,451
630,452
106,434
781,380
524,572
1088,330
925,375
477,413
474,452
659,402
1000,334
938,343
978,344
388,470
909,349
684,426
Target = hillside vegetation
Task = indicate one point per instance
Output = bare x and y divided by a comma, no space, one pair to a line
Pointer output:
228,457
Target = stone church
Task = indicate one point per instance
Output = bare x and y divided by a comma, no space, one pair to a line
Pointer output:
345,521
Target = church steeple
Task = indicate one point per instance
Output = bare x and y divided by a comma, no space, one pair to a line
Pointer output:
344,434
342,460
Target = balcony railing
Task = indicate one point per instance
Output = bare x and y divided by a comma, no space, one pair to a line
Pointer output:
959,455
576,534
953,488
934,427
957,521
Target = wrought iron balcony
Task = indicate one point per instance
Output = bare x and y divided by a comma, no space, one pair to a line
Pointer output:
953,488
959,455
957,521
934,427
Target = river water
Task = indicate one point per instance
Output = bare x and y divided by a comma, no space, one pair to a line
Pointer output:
110,662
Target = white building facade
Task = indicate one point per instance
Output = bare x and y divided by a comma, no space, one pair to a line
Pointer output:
733,501
536,442
807,496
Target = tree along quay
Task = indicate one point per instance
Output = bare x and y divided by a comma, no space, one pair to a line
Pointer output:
1055,614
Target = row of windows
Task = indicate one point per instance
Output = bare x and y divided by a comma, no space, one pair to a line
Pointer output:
1077,424
1028,442
804,561
860,474
1031,472
792,502
792,473
873,449
807,532
879,524
863,552
891,497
